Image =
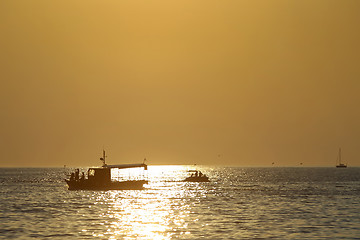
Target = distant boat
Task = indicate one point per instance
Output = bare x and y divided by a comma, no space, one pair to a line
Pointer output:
338,162
196,176
99,178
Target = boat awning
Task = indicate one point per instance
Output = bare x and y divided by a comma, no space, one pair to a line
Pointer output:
121,166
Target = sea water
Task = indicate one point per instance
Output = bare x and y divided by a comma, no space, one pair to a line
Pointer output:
238,203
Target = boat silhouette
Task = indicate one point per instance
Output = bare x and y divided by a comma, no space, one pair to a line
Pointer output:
338,163
196,176
99,178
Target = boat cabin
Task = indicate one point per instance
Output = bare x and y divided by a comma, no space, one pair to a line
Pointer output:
100,175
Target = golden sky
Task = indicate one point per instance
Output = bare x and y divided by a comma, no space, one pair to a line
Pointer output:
231,82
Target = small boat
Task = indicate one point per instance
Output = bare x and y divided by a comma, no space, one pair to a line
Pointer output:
196,176
99,178
338,162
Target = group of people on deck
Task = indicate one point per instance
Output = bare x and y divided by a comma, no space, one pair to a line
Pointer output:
76,176
197,174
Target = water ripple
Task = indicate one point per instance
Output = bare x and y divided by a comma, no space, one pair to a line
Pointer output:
239,203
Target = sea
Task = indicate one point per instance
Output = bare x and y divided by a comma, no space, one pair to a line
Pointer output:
238,203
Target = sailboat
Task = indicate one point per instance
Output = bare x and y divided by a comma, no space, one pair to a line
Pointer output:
339,164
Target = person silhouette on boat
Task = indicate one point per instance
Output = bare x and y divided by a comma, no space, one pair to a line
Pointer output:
77,172
82,176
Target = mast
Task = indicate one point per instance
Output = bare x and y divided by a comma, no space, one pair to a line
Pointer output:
103,158
339,156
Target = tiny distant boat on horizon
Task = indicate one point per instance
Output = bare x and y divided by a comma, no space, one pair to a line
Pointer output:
196,176
338,162
99,178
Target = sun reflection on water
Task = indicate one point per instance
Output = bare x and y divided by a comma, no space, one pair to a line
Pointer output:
158,212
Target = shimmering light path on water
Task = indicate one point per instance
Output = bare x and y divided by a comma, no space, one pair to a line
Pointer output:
238,203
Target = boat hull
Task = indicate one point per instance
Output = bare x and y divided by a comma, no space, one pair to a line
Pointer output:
197,179
90,185
341,166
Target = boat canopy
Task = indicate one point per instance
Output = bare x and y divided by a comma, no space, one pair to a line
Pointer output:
121,166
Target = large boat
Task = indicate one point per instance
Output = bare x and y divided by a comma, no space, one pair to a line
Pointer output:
99,178
196,176
338,162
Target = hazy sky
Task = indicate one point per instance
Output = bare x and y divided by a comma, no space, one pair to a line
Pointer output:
242,82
